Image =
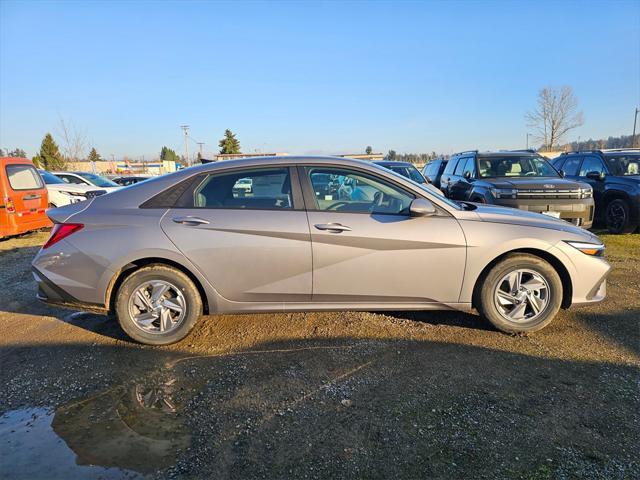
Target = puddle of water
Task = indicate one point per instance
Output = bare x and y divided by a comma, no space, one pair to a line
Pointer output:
122,433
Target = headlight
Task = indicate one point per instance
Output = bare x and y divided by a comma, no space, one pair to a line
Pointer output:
593,249
586,192
503,192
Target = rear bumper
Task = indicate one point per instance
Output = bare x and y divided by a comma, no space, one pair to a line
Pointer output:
576,211
25,224
50,293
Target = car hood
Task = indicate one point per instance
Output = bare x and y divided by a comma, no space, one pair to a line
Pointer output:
513,216
540,183
68,187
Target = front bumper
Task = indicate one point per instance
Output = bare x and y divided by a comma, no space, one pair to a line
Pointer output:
576,211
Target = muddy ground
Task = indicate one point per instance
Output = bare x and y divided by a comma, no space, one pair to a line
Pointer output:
322,395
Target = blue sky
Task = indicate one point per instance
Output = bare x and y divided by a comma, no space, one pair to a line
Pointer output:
307,77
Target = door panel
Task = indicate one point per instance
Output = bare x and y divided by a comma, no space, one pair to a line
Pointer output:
247,255
387,258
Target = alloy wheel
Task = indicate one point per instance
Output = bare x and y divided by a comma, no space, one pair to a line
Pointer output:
157,307
521,295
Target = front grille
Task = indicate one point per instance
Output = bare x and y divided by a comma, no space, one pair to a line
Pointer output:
549,193
94,193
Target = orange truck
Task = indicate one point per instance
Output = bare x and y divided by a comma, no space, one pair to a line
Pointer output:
23,197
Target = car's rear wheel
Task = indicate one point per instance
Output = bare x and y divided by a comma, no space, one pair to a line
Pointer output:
521,293
618,218
158,305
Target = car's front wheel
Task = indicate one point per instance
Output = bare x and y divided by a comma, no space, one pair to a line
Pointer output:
618,218
158,305
522,293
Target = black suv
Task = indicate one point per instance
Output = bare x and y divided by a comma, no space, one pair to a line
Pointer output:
614,176
433,170
519,179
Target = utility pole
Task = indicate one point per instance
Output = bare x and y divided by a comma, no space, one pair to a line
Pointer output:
528,135
635,120
185,129
200,144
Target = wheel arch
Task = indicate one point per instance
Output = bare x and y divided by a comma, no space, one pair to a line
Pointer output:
567,285
134,265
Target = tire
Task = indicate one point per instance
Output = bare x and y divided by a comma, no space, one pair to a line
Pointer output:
618,217
496,309
167,320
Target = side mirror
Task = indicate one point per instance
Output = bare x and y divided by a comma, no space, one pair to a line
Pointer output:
562,174
421,207
467,175
426,177
596,175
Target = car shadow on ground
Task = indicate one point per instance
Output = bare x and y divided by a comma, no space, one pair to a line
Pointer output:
325,408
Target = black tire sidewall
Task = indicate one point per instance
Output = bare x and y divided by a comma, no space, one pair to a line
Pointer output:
627,227
514,262
175,277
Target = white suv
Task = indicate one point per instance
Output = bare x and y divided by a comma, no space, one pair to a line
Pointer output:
88,179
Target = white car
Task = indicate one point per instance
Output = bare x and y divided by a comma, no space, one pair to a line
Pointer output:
61,193
88,179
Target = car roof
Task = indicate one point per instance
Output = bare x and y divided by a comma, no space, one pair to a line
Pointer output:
14,160
280,160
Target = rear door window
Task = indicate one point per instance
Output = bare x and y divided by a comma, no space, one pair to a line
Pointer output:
571,165
23,177
451,165
258,189
470,166
460,166
591,164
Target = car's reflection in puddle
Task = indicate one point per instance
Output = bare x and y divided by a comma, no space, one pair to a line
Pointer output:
122,432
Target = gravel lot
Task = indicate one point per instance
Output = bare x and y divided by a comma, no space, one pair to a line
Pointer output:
323,395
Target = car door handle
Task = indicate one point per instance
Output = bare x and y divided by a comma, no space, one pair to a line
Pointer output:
193,221
332,227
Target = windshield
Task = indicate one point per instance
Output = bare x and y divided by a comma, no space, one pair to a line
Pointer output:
49,178
410,172
626,164
97,180
513,166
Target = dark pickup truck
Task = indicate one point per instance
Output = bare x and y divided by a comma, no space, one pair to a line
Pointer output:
519,179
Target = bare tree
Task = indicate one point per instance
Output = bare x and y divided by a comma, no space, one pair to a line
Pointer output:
73,142
555,115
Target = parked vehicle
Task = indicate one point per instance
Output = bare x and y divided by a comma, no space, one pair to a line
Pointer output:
614,176
61,193
125,181
163,252
88,179
409,171
433,170
23,197
519,179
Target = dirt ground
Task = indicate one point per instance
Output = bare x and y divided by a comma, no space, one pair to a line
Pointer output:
322,395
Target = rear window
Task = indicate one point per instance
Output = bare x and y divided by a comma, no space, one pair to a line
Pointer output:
23,177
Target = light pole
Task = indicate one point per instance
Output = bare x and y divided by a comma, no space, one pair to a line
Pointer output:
185,129
635,120
528,135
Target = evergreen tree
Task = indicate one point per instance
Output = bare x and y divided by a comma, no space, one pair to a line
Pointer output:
229,144
49,157
94,156
368,150
169,155
391,155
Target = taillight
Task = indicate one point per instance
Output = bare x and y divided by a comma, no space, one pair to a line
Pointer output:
60,231
8,203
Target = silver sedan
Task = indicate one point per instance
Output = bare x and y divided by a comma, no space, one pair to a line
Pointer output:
310,234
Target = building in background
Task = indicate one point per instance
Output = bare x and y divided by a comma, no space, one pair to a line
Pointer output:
363,156
236,156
